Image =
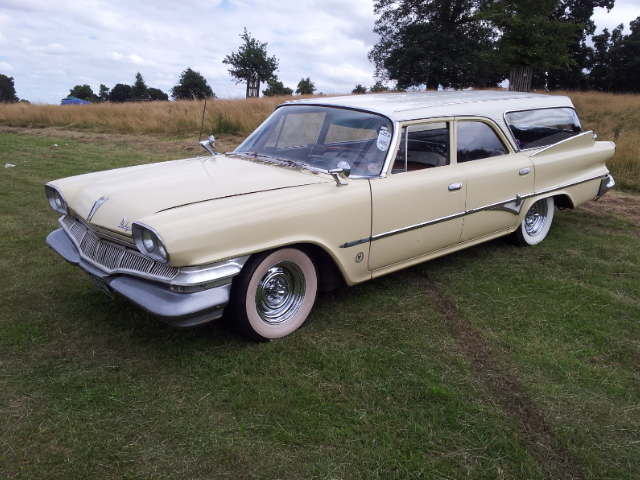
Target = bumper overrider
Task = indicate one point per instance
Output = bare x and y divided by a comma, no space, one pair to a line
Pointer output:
606,184
182,297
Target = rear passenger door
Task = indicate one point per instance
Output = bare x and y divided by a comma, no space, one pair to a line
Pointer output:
494,175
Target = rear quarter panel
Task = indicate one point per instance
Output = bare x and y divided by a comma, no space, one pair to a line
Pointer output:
568,165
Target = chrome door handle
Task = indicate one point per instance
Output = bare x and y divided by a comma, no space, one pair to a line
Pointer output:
524,171
455,186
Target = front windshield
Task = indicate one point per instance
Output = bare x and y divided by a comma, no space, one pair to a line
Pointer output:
322,137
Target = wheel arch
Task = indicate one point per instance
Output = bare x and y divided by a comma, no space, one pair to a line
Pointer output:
563,201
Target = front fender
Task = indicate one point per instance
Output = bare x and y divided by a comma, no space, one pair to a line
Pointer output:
320,214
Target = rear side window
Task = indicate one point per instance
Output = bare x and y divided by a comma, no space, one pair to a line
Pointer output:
542,127
477,140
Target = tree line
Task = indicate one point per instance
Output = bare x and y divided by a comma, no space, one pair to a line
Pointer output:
480,43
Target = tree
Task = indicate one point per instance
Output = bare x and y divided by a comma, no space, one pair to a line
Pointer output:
579,13
359,89
433,43
139,89
157,94
103,96
276,88
251,64
378,87
7,90
531,38
191,86
625,61
83,92
615,61
121,93
305,87
599,76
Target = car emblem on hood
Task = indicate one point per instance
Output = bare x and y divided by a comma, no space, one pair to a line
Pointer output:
124,224
95,207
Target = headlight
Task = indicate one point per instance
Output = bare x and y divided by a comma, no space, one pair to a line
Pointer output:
56,200
149,242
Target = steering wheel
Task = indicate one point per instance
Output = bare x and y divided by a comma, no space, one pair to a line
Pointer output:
346,153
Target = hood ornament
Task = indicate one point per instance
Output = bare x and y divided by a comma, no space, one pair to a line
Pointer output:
124,224
95,207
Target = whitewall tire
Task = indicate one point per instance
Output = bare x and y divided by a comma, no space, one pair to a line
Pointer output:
536,223
274,293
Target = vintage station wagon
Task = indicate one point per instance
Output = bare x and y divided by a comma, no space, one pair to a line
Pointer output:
327,191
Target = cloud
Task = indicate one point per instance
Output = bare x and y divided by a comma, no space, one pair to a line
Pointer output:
6,67
53,46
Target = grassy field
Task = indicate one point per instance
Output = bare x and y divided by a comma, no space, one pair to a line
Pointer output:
496,362
612,117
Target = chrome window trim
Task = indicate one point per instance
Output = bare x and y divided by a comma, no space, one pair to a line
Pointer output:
515,141
513,205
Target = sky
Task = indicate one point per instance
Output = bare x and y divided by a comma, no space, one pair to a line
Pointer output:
49,47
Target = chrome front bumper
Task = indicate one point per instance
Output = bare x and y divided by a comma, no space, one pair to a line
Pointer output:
175,308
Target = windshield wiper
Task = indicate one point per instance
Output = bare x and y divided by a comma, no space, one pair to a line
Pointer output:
289,162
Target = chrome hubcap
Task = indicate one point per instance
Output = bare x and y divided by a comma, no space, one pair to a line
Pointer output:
536,218
280,293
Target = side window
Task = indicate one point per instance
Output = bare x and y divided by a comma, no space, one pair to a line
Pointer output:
477,140
546,126
423,146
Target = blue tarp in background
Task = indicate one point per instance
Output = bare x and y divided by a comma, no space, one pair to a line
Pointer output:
74,101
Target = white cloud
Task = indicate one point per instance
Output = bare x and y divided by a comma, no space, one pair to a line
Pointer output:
53,46
136,58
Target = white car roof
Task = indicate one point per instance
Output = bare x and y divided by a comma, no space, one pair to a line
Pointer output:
416,105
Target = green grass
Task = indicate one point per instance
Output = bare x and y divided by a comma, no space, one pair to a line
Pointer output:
487,363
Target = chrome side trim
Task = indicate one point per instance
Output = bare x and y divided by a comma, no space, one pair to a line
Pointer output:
544,149
207,276
513,205
356,242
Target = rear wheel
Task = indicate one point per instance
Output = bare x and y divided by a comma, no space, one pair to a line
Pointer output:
536,223
274,293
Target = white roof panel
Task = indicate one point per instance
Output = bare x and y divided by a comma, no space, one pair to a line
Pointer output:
415,105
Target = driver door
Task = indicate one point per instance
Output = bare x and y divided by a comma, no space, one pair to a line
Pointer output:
418,207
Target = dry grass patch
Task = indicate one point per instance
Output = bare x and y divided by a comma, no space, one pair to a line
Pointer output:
613,117
616,118
174,119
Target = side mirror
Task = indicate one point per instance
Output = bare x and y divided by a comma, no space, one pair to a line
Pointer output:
341,173
209,145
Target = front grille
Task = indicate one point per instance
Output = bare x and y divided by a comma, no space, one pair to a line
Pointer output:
111,257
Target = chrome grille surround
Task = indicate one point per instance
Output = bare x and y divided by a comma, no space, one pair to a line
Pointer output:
111,257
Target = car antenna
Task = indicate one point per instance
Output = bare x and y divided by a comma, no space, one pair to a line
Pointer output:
204,109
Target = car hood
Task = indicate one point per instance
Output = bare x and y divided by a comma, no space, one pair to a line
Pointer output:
129,194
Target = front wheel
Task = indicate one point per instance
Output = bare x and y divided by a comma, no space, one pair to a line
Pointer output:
274,293
536,223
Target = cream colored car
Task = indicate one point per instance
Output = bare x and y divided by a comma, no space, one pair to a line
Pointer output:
327,191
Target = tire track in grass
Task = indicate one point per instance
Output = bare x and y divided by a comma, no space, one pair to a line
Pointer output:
533,431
